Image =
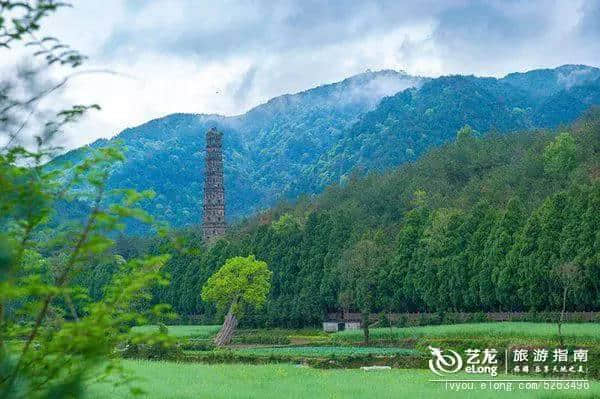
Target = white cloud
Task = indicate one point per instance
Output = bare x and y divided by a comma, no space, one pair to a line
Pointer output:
209,57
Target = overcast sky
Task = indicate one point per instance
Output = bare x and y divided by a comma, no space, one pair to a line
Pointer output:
228,56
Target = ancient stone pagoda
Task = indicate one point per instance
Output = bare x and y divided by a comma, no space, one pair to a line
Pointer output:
214,191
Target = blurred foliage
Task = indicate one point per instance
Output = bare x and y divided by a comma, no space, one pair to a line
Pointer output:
54,337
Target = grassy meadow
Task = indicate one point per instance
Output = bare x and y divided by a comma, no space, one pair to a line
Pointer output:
163,380
320,351
183,331
501,330
327,365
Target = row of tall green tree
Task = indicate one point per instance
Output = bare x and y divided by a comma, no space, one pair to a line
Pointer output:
486,223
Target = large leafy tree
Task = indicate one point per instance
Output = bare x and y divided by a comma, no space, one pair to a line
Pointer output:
360,269
239,284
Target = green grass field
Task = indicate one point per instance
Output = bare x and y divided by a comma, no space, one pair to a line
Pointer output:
162,380
579,331
322,351
199,380
183,331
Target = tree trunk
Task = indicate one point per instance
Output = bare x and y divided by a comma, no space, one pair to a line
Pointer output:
562,317
226,333
1,325
365,322
69,302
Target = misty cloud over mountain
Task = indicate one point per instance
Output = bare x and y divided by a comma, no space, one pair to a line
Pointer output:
298,144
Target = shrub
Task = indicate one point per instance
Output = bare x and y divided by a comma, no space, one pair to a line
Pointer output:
578,318
262,338
157,350
480,317
197,345
435,319
451,318
415,322
383,320
162,328
402,321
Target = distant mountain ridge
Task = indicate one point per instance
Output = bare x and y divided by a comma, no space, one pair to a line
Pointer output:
542,83
298,143
415,120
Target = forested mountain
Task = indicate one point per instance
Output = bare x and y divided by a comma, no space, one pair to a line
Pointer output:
300,143
407,124
268,151
480,224
542,83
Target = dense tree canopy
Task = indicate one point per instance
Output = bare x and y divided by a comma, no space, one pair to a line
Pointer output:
476,225
239,284
243,282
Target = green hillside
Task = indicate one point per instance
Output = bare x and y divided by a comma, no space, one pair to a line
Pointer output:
481,224
298,144
406,125
268,151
